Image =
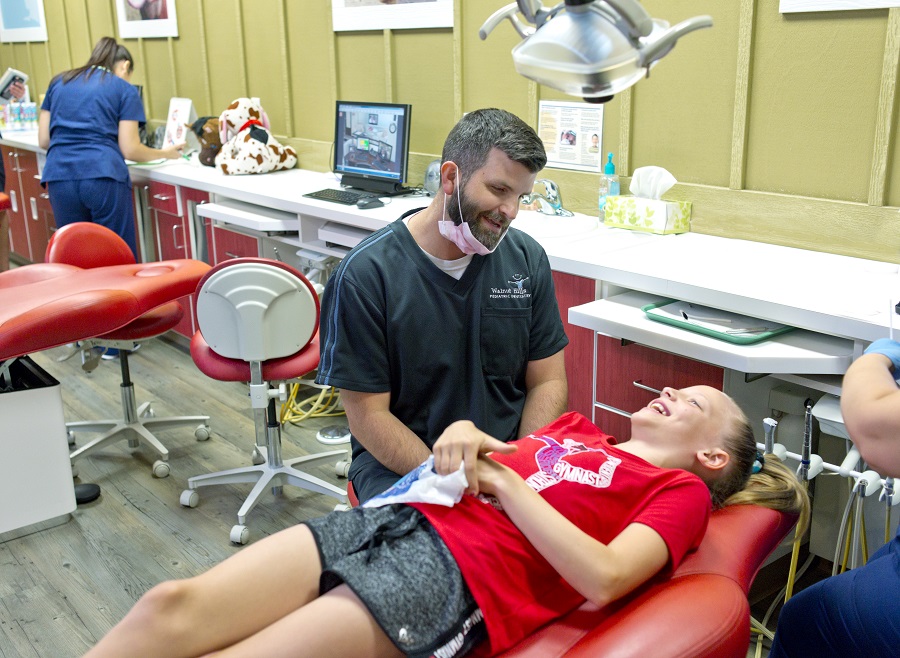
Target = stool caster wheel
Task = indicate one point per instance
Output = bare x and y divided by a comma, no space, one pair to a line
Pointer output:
70,435
342,468
189,498
257,457
148,411
240,534
74,470
160,469
202,432
342,507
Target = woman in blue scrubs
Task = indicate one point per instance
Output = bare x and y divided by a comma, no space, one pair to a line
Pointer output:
89,126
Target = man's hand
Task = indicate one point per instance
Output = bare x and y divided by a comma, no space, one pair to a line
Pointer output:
462,443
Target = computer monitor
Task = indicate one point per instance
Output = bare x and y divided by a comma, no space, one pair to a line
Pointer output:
372,146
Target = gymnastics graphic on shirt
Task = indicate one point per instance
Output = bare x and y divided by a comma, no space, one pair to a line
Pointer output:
553,469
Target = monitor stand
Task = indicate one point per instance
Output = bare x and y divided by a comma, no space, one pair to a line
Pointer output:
375,186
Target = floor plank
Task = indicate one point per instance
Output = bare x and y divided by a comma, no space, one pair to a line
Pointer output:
62,588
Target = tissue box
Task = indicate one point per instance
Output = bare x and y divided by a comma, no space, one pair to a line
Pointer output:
649,215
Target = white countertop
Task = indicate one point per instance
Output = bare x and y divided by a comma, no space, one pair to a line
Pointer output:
821,292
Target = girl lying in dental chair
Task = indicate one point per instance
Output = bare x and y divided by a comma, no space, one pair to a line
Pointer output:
563,515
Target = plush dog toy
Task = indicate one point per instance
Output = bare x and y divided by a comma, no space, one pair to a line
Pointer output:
207,131
247,145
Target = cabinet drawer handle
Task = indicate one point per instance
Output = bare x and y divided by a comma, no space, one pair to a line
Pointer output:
175,237
637,384
44,195
231,255
162,197
34,211
14,200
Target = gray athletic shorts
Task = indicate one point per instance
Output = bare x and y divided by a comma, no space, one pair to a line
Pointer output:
396,563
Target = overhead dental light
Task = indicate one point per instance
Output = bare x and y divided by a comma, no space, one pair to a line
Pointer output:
589,48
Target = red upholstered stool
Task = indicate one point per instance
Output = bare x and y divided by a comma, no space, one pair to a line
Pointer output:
5,204
259,323
87,245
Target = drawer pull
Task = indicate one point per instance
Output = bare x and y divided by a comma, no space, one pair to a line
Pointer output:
34,210
162,197
231,255
175,237
637,384
44,195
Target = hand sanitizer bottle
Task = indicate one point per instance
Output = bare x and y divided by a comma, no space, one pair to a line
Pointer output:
609,184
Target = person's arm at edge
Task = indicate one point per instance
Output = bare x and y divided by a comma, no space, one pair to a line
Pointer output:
600,572
547,393
44,129
132,148
870,405
381,433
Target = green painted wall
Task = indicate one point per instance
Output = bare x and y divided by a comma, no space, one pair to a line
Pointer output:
779,128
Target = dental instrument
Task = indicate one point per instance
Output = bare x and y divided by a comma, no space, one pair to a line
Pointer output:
701,318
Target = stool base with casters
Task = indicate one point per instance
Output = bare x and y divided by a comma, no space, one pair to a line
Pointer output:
136,425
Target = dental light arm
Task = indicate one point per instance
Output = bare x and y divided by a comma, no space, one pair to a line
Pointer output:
588,48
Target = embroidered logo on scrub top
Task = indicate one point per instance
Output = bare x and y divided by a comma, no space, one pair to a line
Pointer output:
515,288
553,469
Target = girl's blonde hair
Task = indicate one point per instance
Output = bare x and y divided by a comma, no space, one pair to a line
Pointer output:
775,486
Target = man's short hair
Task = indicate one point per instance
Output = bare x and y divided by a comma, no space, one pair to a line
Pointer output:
472,138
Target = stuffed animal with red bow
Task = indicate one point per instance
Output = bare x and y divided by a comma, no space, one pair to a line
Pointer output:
248,147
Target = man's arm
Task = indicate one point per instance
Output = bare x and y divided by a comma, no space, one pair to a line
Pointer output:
548,393
381,433
870,405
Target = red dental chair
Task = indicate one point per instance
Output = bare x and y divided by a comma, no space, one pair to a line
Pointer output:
700,612
259,323
87,246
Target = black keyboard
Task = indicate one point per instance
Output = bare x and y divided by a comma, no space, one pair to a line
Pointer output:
347,197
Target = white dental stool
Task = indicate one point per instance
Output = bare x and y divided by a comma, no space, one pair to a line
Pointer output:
259,321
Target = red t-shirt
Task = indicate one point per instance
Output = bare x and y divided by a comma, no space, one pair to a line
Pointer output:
576,468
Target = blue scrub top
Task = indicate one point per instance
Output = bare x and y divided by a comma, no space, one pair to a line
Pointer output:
84,126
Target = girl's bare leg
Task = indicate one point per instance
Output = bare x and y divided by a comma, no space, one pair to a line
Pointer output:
234,600
337,624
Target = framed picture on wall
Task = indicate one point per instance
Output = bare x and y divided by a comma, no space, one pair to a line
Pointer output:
146,19
349,15
789,6
22,20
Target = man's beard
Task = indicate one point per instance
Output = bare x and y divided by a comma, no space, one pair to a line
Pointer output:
485,236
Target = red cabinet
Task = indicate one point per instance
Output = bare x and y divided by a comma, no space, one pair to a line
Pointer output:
31,217
172,239
572,291
225,244
628,376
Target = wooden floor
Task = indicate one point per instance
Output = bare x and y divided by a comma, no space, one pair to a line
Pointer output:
62,588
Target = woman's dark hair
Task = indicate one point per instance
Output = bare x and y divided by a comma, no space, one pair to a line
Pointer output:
106,54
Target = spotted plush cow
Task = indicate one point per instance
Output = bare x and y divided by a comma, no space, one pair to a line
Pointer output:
248,147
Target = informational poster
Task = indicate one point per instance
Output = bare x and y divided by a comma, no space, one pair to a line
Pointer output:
789,6
572,134
390,14
22,20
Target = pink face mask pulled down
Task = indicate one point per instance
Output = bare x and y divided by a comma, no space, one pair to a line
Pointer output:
460,234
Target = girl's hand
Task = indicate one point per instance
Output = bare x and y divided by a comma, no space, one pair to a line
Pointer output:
492,475
462,443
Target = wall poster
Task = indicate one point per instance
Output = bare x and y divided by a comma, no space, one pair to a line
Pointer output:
146,19
349,15
572,134
789,6
22,20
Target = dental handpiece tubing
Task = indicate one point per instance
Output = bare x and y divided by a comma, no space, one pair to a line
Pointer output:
807,443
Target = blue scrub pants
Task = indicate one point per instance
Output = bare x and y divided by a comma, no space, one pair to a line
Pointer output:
854,614
103,201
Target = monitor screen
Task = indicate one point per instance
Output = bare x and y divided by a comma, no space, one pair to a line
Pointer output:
372,145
